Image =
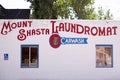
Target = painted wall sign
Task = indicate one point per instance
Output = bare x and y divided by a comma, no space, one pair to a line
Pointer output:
78,28
60,49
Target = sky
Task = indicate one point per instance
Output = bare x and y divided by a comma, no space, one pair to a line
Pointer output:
15,4
113,5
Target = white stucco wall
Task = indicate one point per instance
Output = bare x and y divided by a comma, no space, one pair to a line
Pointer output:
67,62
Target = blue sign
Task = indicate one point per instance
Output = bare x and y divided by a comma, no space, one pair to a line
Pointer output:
73,40
5,56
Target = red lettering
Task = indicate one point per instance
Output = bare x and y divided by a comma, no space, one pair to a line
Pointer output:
80,29
61,27
42,31
114,30
38,31
6,28
24,23
47,31
19,24
87,30
101,31
67,28
94,31
72,27
13,25
30,23
28,32
53,22
33,32
109,31
21,35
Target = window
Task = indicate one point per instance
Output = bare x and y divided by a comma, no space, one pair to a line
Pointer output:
29,56
104,56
